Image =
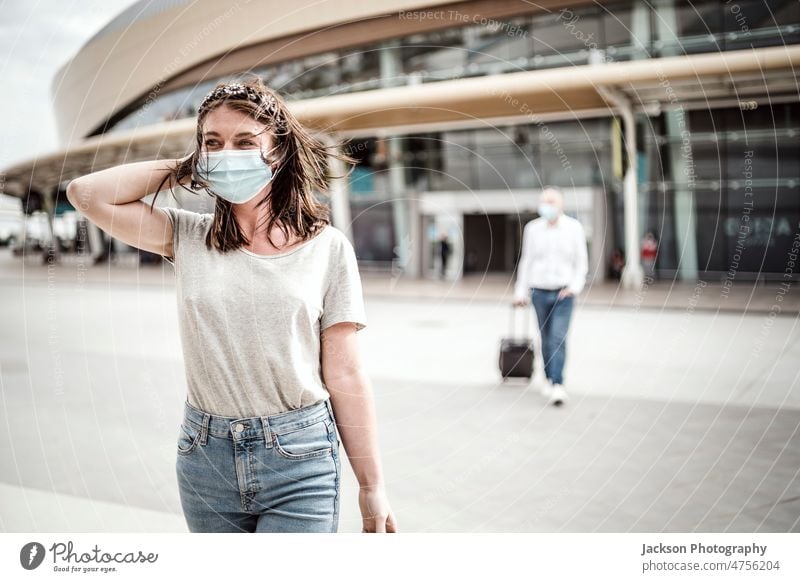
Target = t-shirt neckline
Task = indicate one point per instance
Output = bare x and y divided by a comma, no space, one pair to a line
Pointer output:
287,253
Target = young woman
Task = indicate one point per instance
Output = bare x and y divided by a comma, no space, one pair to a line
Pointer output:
269,301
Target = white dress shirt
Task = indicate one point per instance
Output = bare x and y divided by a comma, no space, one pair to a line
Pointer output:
553,256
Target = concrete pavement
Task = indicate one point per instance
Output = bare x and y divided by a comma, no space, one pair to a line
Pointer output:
680,419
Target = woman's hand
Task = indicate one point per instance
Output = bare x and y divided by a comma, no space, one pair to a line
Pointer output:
376,515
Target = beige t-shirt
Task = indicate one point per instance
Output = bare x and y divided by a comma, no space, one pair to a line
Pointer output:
250,324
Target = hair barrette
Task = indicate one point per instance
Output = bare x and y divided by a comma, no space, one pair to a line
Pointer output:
238,90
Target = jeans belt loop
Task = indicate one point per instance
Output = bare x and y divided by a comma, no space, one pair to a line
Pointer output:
204,430
267,432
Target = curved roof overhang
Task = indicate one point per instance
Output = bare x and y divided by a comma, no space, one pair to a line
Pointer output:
187,43
514,97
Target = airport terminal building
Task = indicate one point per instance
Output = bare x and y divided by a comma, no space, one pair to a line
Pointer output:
666,116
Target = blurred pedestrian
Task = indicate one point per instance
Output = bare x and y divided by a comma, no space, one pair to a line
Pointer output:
445,248
649,255
552,271
616,264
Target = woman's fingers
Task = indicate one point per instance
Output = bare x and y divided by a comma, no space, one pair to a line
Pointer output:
391,524
380,524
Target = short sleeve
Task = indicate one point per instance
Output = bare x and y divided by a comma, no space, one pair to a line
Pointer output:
343,300
184,228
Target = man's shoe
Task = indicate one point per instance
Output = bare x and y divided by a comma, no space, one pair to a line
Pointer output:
546,389
558,396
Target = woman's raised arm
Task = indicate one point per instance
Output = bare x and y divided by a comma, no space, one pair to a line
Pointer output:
111,199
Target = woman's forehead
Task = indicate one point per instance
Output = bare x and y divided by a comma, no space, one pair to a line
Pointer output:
226,121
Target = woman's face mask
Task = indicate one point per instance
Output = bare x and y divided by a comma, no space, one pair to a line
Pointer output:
234,175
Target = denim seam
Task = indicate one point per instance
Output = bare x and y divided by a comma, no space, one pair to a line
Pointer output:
331,436
297,425
191,446
252,484
309,455
242,476
295,428
193,423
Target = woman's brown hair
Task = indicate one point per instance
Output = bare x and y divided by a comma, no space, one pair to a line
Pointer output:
301,159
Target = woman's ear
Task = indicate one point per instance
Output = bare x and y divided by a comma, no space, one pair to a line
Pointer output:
274,161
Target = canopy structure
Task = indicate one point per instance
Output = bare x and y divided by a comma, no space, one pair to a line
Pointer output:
511,97
600,88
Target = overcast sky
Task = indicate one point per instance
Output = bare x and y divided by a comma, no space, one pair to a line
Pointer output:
36,38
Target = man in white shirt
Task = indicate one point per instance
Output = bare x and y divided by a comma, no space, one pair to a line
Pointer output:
552,271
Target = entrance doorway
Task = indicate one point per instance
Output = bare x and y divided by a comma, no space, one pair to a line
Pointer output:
492,242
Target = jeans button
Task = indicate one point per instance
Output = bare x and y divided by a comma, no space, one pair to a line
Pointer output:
239,427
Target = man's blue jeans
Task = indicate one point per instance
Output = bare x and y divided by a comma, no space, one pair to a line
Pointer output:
553,315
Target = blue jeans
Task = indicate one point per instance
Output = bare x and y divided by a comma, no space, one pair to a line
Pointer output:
553,315
276,473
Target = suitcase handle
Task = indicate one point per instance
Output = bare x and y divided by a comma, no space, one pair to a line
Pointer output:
514,308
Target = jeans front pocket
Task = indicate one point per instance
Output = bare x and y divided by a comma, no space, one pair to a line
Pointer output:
188,437
307,442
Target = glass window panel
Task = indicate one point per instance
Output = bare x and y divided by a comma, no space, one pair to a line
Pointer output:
315,74
707,159
704,120
712,242
458,162
284,75
616,26
561,33
373,231
501,161
498,42
752,23
683,27
789,158
767,232
784,11
762,164
761,118
433,52
423,160
748,15
360,68
690,18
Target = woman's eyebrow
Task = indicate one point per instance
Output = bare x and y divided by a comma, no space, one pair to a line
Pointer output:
240,134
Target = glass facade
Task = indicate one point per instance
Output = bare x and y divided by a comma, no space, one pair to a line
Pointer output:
625,31
703,179
744,179
565,153
731,157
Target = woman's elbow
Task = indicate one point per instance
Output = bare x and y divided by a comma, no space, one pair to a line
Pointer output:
74,192
79,195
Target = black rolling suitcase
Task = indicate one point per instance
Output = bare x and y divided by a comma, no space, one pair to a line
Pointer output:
516,353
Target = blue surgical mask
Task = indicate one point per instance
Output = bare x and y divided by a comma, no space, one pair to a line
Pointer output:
234,175
548,211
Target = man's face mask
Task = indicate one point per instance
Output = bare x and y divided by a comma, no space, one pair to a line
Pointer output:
234,175
549,211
